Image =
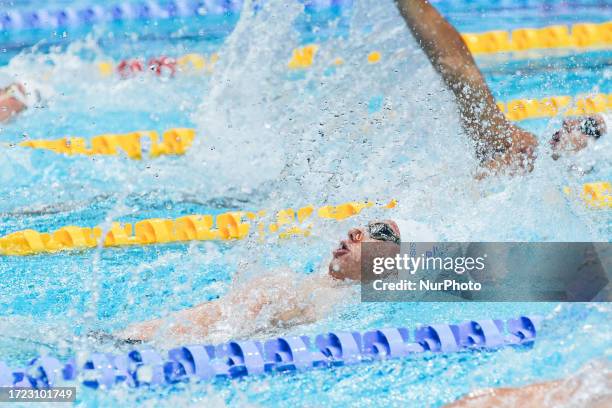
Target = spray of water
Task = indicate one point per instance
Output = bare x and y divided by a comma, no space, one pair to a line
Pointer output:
317,138
350,132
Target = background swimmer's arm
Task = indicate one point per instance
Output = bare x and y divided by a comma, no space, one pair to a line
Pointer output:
480,116
555,393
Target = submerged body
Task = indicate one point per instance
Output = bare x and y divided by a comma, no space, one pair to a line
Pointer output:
278,299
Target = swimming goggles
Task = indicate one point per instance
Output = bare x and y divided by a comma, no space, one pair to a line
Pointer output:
591,127
381,231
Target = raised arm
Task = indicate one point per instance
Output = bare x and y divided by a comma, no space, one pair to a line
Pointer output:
498,142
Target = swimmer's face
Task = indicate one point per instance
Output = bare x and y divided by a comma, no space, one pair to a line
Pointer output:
575,134
346,258
9,105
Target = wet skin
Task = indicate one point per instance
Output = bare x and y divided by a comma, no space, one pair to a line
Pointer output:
346,258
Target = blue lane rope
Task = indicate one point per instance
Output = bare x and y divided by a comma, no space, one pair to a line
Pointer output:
151,9
147,367
166,9
67,17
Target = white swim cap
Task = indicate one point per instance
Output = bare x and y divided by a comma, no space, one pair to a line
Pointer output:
414,231
417,238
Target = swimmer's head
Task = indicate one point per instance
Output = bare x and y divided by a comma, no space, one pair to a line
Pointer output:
12,100
576,134
346,261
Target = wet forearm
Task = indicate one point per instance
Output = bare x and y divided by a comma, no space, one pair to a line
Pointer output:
451,58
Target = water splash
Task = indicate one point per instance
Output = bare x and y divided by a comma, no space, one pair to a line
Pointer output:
350,132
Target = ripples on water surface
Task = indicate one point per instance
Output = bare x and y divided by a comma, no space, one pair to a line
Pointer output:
270,138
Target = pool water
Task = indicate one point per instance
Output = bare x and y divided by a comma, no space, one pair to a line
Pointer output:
271,139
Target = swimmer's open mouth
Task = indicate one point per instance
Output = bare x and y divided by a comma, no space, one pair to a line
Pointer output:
341,250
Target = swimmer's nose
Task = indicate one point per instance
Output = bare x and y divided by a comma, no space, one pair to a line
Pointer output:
355,235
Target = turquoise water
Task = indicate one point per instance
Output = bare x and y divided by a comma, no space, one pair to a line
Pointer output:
253,114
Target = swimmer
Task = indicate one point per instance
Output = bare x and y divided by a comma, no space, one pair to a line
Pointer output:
577,133
274,300
15,97
589,388
12,100
500,145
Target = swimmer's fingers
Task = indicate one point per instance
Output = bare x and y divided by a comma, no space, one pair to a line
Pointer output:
523,150
511,164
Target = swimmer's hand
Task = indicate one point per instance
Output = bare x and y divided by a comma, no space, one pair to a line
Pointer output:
104,337
518,155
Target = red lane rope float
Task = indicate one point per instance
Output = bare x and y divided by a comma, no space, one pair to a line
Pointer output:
580,35
163,66
129,68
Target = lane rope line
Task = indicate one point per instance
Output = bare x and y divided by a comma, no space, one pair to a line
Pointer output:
528,108
580,35
577,36
135,145
12,20
597,195
145,366
233,225
146,143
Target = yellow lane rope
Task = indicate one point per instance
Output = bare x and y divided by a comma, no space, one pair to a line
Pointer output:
580,35
178,140
595,195
174,142
186,63
525,108
227,226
